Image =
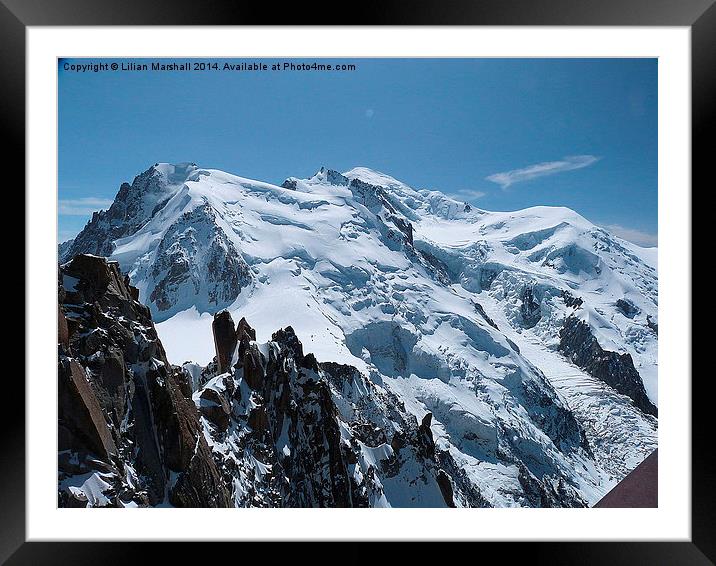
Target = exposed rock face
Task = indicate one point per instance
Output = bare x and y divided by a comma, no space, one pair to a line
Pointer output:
627,308
125,419
215,408
80,414
530,309
479,308
253,367
132,207
617,370
244,331
224,339
196,257
446,488
570,300
63,331
195,261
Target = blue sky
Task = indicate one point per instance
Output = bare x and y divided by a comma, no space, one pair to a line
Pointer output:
502,134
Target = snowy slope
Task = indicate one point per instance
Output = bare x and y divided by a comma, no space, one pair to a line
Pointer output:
456,310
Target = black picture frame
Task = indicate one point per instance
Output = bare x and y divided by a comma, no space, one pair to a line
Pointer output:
16,15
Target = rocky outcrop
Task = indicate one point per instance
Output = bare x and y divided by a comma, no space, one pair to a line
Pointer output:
195,258
224,339
446,488
530,308
133,205
616,370
479,308
627,308
215,408
195,261
570,300
81,419
126,417
290,414
244,331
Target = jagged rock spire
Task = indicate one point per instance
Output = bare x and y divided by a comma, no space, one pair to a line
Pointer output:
224,339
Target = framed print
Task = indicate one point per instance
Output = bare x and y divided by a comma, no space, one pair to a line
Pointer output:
426,278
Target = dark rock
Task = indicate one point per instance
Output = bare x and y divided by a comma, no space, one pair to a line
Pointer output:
616,370
530,308
212,268
253,364
469,494
287,339
483,314
200,485
289,184
183,380
404,226
445,486
426,436
438,268
229,385
244,330
186,450
652,325
224,340
627,308
215,408
80,413
144,436
112,380
570,300
309,362
398,441
121,400
125,216
259,423
133,291
63,332
98,279
369,434
339,373
334,177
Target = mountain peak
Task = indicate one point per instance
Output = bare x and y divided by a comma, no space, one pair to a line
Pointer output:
374,177
328,176
174,173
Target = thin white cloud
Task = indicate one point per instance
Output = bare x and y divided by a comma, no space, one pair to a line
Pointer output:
369,113
638,237
570,163
82,206
467,194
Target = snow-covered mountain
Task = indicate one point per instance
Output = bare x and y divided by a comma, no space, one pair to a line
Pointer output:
529,336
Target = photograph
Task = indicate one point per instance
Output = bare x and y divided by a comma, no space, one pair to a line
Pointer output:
357,282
